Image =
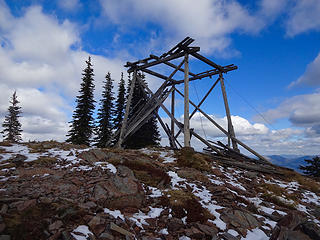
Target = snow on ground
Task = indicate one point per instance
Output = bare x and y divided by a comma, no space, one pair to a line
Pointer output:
233,232
167,155
257,201
255,234
164,231
105,165
310,197
155,192
81,232
114,213
140,217
175,179
206,202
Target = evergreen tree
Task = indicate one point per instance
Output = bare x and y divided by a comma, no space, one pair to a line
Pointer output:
313,167
119,106
82,123
148,134
105,114
12,127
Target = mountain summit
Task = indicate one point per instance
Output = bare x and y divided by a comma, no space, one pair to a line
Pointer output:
51,190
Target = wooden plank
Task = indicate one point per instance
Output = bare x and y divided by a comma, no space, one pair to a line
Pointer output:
207,143
226,105
156,62
203,75
186,102
207,61
126,114
200,103
147,113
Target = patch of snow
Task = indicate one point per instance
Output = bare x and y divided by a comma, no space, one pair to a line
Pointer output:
214,181
164,231
155,192
114,213
310,197
256,201
270,222
184,220
167,158
255,234
237,185
175,179
81,229
112,168
140,217
46,174
233,232
184,238
81,168
206,202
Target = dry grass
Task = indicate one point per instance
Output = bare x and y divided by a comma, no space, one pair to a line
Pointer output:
5,144
39,147
187,157
305,182
272,192
5,166
43,161
276,200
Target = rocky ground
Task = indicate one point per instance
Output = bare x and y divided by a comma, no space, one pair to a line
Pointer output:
50,190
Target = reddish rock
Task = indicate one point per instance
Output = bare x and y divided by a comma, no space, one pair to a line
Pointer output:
97,225
175,224
55,226
26,204
194,233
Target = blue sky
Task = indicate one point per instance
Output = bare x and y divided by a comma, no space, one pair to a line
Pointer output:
275,44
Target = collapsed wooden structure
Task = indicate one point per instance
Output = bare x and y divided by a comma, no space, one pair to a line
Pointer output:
142,114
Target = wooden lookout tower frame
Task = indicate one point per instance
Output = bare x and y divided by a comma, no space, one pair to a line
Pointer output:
182,51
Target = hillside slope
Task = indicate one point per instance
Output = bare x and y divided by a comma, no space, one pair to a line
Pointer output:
50,190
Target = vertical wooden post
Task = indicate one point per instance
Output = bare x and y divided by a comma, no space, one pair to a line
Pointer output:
126,113
186,129
172,112
230,126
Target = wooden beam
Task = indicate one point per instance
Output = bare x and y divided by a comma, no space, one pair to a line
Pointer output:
206,74
207,61
200,103
162,60
186,102
147,113
126,114
172,111
226,105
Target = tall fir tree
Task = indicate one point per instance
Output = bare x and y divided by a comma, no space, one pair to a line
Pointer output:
82,124
119,106
148,134
12,127
105,114
313,167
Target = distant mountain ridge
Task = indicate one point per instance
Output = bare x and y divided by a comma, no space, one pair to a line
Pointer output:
290,161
